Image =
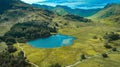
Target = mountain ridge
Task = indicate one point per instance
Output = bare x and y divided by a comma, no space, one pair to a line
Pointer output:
80,12
110,12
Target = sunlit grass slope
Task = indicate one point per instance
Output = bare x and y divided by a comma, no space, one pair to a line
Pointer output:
110,13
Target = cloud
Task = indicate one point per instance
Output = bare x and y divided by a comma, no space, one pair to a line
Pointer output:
72,4
84,4
32,1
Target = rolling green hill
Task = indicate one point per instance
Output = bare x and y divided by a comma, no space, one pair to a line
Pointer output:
19,11
110,12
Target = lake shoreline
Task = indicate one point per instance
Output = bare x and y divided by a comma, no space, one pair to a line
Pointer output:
54,41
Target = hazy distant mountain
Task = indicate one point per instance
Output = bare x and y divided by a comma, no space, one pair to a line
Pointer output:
68,10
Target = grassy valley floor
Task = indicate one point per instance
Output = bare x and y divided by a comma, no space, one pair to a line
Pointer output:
84,44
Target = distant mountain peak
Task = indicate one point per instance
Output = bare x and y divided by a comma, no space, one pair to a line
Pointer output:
62,9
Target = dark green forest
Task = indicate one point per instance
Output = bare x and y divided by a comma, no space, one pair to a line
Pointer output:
23,32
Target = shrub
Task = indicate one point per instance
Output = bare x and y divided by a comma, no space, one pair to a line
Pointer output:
107,46
83,56
11,49
94,37
114,49
111,36
1,39
104,55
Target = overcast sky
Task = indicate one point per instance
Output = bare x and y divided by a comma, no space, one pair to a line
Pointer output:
84,4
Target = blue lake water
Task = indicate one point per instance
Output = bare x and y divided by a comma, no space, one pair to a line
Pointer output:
53,41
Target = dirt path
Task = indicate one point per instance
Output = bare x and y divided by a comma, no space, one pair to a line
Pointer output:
25,55
78,62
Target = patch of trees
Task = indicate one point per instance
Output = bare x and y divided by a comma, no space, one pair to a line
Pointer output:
11,49
111,36
9,60
23,32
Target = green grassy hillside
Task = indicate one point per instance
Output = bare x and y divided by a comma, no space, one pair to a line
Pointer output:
110,12
60,11
20,12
